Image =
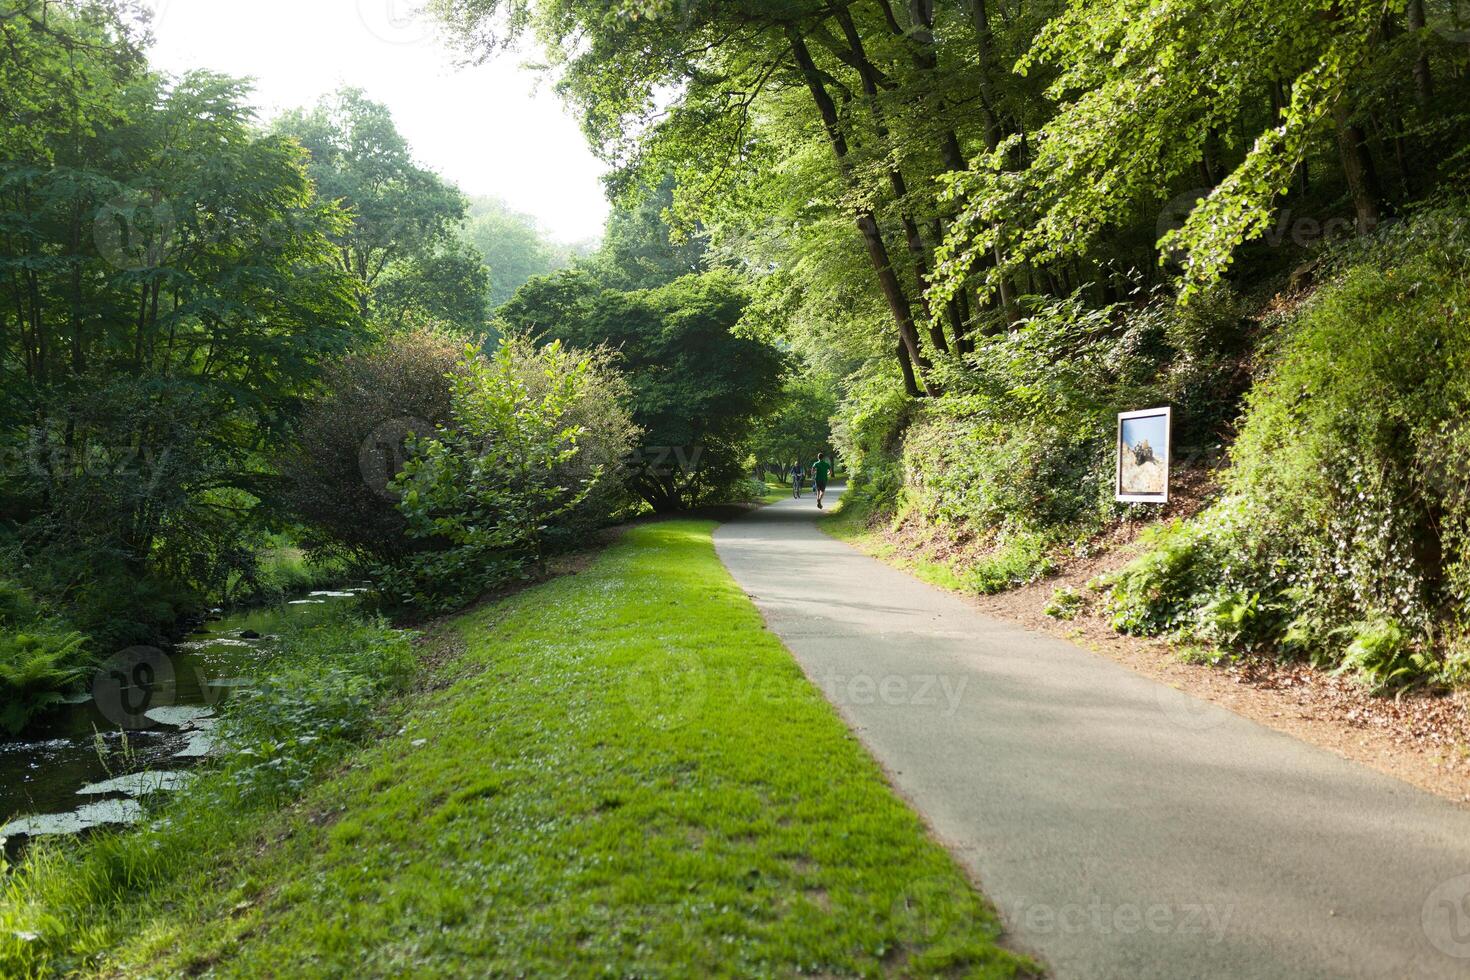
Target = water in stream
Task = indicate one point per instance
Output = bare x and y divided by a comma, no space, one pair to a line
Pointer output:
153,707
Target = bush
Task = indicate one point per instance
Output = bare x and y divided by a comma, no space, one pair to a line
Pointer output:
1022,441
536,439
351,440
17,606
1019,559
334,671
1065,603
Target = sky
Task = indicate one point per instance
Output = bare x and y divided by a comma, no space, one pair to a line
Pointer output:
495,129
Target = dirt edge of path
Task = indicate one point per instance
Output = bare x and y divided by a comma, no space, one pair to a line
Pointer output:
1421,738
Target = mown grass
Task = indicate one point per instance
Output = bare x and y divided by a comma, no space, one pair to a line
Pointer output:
622,773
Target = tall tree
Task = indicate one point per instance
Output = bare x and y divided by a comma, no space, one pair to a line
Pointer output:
168,291
399,209
512,247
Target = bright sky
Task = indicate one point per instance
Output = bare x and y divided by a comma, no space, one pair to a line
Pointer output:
496,129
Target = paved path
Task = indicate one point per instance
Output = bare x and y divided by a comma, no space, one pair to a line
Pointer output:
1122,828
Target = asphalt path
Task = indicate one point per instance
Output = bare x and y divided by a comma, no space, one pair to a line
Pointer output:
1122,828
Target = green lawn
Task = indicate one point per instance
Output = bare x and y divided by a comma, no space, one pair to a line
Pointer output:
622,773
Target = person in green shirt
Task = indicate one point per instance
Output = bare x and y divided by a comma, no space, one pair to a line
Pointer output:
820,471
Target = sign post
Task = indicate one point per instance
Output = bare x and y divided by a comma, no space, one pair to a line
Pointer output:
1145,441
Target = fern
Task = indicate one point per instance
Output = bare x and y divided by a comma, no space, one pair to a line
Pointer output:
35,668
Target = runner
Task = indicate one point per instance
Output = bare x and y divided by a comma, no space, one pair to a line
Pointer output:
796,475
820,470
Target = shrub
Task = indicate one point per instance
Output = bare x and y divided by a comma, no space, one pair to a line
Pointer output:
1065,603
1380,653
334,670
536,438
1019,559
350,443
1022,441
17,606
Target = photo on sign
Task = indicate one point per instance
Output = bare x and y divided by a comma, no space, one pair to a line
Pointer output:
1143,456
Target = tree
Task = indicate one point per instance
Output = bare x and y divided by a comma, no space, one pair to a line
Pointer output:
169,295
800,425
536,434
449,285
400,211
638,249
697,386
512,246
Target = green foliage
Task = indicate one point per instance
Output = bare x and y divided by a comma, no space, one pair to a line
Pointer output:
535,433
351,440
1018,559
446,285
35,668
1381,654
1158,592
1024,438
168,281
400,211
697,387
17,606
332,675
799,426
638,248
1343,536
69,903
511,245
1065,603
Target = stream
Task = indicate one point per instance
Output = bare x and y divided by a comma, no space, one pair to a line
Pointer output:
150,712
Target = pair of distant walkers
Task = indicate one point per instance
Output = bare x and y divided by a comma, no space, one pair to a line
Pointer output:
820,470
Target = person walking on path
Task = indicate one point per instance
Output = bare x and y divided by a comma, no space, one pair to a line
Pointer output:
820,471
796,475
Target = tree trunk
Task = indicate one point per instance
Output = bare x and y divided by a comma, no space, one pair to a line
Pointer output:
1423,77
985,44
1358,168
867,223
918,251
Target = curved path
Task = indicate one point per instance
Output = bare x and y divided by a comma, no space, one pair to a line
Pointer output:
1123,829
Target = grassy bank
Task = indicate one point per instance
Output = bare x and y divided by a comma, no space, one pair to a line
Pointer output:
617,772
1015,562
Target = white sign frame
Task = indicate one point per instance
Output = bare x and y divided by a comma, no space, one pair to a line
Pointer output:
1167,414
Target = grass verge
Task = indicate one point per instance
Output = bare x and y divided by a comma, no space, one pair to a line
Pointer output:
621,773
1017,560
